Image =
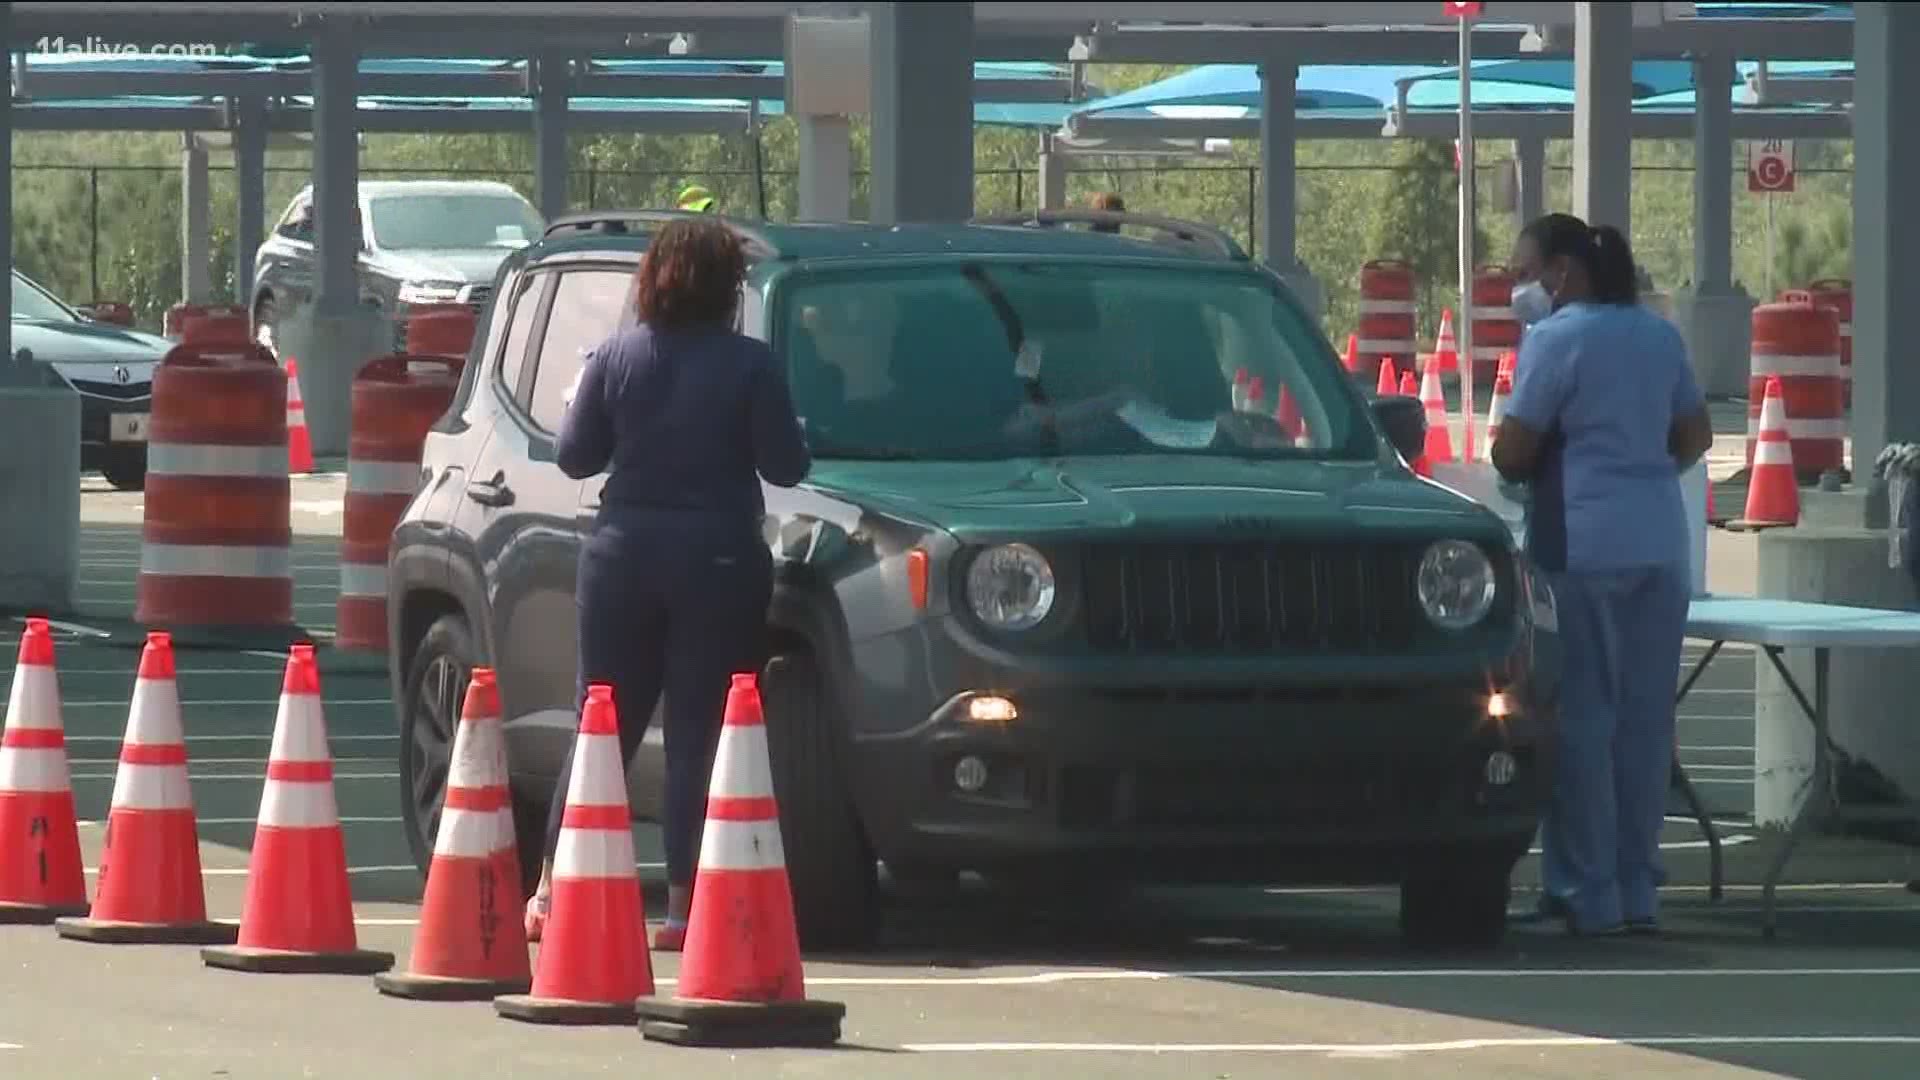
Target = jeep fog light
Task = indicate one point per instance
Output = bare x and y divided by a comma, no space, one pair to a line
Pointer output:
1011,587
1456,584
992,710
1498,707
970,774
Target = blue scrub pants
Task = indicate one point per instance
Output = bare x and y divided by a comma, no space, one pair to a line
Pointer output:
1622,631
674,602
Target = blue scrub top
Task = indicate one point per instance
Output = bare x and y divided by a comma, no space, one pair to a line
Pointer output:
1603,384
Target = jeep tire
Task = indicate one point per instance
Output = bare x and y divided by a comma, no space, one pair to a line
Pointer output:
830,863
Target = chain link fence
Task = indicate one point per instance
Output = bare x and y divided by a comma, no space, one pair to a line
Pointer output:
113,231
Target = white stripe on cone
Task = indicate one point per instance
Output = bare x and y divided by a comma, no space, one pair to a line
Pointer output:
740,768
597,778
382,477
299,731
183,459
1788,365
155,714
471,834
34,702
35,770
1770,452
478,760
367,580
742,845
288,804
593,853
215,560
152,787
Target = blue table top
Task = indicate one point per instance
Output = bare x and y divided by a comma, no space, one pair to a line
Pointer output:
1760,621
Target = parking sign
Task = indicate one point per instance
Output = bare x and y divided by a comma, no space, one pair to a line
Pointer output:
1770,166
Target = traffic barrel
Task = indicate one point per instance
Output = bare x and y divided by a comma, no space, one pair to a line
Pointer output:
1835,293
396,400
1495,329
1799,343
216,536
440,330
175,322
1386,314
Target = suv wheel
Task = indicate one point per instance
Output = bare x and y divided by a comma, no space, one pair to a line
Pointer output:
829,862
435,694
265,332
1456,896
126,470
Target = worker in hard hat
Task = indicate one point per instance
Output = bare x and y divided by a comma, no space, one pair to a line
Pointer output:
696,199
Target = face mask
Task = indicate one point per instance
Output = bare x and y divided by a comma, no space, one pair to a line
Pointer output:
1531,303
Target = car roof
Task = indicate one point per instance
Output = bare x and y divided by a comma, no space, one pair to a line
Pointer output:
859,240
374,189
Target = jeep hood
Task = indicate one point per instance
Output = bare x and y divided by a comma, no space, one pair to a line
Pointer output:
984,501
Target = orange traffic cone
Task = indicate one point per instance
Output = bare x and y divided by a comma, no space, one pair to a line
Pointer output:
1507,361
467,950
1352,357
299,441
1773,498
1409,386
741,982
1241,380
1256,394
1446,351
150,890
1288,414
1496,411
593,952
1439,438
298,913
41,876
1387,385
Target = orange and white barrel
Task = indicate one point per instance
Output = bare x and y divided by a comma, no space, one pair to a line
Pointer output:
1800,344
1835,293
174,322
1495,329
439,330
1387,310
396,399
216,537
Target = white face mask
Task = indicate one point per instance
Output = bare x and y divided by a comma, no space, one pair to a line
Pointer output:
1532,303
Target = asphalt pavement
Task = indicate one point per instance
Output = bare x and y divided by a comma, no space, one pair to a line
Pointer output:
1159,983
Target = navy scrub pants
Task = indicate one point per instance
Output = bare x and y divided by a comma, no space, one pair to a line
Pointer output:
673,602
1600,839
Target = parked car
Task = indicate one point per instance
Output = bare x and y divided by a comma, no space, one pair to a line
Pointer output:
422,242
110,366
1170,640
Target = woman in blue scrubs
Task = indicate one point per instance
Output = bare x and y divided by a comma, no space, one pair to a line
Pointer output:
1605,415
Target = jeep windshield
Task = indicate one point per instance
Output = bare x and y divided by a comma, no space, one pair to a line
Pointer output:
1002,359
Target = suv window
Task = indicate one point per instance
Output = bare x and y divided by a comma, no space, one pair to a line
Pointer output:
587,307
1011,359
452,222
525,306
298,224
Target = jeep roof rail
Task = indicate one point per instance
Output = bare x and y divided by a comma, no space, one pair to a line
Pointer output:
1188,232
617,221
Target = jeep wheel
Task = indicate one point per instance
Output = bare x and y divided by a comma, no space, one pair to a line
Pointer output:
126,470
1457,896
829,862
435,694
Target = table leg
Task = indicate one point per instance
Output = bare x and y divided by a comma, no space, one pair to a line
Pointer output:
1819,784
1685,783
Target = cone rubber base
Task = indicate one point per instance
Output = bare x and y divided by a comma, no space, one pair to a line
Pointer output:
1741,525
108,932
741,1025
433,988
275,962
38,914
535,1010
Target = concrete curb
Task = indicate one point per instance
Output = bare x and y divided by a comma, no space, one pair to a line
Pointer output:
75,627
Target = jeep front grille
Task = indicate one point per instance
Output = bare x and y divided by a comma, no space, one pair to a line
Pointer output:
1222,597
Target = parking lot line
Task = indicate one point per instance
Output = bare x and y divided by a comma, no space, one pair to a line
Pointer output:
265,736
86,822
1541,1042
232,703
254,777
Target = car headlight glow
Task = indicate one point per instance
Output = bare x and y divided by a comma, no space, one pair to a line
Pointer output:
430,292
1011,587
1456,584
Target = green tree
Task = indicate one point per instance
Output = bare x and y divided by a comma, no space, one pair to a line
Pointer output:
1417,222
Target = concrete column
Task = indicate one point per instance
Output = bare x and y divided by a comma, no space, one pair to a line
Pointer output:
552,85
1275,225
6,190
1715,315
343,332
826,168
250,191
196,208
1603,114
922,58
1531,156
1886,232
1053,175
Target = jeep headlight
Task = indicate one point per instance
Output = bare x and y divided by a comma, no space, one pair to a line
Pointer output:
1011,587
430,292
1456,584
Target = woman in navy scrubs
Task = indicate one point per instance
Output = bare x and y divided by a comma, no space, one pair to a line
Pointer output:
1605,415
675,580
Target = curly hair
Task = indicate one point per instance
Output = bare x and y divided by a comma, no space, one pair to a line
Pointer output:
690,275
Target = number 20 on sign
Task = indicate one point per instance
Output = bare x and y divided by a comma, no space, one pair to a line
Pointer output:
1770,166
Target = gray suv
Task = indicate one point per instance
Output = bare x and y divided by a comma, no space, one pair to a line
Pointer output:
422,242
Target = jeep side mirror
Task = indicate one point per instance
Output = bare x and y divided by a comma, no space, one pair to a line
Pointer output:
1404,420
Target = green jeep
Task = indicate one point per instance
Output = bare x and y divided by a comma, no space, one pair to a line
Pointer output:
1106,570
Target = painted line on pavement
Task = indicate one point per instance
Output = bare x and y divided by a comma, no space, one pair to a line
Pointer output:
1051,978
241,871
11,1046
1542,1042
233,761
265,736
252,777
85,822
1834,886
226,703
